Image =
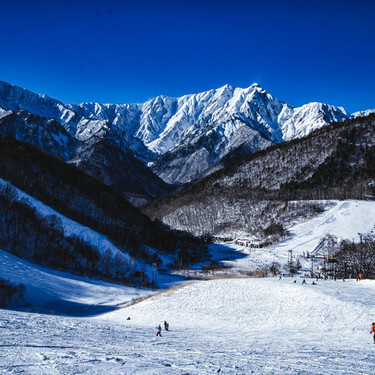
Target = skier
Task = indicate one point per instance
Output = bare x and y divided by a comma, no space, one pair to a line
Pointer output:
158,333
166,325
373,330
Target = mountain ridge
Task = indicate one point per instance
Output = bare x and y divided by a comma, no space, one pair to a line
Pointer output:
182,138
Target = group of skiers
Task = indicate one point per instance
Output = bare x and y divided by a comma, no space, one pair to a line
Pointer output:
166,327
304,282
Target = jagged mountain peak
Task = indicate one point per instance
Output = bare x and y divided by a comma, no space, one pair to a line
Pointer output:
255,85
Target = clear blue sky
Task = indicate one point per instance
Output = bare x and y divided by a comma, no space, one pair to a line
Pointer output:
130,51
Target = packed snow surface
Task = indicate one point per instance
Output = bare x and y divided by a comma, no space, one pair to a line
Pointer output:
228,326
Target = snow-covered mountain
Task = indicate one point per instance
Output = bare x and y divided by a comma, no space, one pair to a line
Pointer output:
208,126
182,137
363,113
164,123
46,134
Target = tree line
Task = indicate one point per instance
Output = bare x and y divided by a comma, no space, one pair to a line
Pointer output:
26,234
354,258
10,293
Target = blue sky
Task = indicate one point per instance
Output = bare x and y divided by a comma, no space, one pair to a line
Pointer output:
131,51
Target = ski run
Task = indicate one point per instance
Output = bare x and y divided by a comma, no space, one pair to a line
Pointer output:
223,325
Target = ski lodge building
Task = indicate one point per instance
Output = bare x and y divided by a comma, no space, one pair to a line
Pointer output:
252,243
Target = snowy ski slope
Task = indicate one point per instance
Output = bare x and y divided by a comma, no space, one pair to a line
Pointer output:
231,326
228,326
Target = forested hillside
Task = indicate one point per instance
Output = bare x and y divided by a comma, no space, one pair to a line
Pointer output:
263,189
83,199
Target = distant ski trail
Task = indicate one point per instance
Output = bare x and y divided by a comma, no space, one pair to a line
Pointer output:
142,299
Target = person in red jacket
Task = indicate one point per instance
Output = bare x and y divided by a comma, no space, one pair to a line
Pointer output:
373,330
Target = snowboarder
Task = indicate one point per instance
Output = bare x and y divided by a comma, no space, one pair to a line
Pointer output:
158,333
304,281
373,330
294,281
313,283
166,325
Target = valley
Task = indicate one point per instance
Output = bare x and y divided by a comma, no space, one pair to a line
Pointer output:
118,217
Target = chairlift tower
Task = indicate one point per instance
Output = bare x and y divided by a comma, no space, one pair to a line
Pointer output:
290,257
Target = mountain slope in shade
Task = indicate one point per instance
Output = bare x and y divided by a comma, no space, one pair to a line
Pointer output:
14,98
119,169
100,155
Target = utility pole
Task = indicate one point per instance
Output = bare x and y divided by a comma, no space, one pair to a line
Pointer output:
154,274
